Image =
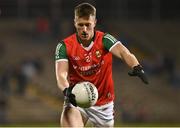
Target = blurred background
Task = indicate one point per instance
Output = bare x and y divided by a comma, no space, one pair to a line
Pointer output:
31,29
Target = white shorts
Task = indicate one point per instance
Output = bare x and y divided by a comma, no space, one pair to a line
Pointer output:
100,116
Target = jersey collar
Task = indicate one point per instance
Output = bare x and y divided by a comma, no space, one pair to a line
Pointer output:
80,41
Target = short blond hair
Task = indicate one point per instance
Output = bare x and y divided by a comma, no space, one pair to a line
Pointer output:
85,10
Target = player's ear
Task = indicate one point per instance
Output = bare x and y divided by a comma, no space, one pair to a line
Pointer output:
95,22
74,22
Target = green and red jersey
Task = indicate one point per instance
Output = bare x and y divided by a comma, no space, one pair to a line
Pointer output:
92,63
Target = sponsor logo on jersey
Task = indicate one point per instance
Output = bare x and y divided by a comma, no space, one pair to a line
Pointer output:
75,67
108,95
76,58
90,69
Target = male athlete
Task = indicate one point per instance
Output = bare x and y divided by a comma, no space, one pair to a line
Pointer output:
87,56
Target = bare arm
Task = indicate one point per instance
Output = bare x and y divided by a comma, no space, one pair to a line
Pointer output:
61,68
122,52
62,81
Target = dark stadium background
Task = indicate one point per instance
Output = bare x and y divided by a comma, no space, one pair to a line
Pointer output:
29,33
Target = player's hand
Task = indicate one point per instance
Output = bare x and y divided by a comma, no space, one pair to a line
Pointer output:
69,97
138,71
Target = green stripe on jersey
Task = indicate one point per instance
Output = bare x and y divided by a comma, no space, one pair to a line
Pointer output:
61,51
109,41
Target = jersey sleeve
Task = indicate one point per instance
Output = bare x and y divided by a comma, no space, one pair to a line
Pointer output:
109,41
60,53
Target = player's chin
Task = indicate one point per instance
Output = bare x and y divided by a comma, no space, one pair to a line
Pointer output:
85,38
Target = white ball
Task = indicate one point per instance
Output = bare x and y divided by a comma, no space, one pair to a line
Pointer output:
86,94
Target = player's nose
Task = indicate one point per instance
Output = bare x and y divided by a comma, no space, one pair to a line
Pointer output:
84,28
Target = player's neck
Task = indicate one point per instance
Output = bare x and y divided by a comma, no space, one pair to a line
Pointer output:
85,43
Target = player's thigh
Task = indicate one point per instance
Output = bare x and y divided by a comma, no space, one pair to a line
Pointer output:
71,116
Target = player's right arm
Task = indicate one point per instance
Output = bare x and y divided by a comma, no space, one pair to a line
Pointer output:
61,66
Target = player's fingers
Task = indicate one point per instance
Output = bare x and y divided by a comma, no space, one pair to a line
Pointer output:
144,79
132,74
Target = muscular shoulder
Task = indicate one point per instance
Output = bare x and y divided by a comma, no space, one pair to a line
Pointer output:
70,38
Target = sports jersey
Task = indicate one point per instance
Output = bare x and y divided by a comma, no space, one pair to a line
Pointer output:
92,63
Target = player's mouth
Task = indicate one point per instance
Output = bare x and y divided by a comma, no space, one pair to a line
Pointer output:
84,35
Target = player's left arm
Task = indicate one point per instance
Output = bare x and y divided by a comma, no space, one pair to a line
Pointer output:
120,51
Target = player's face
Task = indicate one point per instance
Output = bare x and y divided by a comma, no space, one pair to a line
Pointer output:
85,27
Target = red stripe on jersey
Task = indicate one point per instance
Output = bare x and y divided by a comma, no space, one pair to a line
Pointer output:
94,66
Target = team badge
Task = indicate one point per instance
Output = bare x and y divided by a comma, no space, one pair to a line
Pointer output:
98,54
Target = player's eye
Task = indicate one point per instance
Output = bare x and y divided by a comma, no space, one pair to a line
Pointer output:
80,25
87,25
